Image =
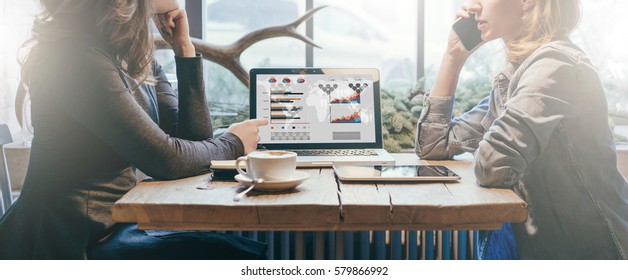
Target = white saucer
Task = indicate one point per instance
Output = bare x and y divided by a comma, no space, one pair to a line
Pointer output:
297,179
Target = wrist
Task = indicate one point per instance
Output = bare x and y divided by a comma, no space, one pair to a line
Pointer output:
452,61
184,49
447,78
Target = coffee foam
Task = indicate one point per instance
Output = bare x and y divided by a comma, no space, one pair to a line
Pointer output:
272,154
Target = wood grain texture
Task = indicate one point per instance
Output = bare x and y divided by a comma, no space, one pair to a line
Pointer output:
323,203
480,204
199,200
328,227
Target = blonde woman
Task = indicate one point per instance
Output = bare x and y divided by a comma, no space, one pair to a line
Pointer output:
102,108
543,132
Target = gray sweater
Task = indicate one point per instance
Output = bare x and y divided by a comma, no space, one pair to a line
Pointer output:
93,127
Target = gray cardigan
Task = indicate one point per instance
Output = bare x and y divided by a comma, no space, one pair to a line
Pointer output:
543,132
91,133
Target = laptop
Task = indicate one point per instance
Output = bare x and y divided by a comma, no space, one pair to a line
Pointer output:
327,116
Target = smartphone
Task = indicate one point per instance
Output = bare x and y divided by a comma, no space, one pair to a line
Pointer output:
376,173
468,32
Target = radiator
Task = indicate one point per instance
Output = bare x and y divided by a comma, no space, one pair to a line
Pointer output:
368,245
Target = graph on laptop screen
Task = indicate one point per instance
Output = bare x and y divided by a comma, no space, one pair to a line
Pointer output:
316,108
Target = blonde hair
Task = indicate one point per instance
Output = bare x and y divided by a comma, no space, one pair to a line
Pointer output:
120,27
547,21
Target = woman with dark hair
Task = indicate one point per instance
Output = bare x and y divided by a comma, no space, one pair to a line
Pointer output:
102,108
543,132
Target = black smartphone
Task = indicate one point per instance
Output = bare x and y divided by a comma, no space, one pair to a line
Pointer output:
467,31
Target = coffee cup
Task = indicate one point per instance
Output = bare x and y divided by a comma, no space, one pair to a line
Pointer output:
269,165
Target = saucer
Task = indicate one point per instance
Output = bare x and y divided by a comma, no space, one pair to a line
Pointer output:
297,179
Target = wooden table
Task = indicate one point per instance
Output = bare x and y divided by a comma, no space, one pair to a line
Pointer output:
323,203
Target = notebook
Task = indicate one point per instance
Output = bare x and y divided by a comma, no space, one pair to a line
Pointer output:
326,115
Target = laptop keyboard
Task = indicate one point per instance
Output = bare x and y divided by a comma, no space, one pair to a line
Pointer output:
358,152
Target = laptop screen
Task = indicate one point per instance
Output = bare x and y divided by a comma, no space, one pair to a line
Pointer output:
317,108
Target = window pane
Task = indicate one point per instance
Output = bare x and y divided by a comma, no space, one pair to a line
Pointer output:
608,50
228,21
369,33
16,21
375,34
165,57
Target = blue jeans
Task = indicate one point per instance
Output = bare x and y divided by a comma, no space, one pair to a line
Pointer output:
498,244
127,242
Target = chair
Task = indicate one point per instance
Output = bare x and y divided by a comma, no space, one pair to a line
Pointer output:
5,185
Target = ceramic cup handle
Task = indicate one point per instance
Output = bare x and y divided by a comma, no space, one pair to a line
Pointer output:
237,164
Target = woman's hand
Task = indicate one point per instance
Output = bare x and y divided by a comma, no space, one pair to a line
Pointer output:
455,57
174,28
455,49
248,132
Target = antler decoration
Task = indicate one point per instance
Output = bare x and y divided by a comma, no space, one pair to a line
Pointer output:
228,56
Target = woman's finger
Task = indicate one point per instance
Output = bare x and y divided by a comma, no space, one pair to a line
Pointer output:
473,8
170,16
166,25
462,14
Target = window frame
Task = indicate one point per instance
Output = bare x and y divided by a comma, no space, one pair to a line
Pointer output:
197,17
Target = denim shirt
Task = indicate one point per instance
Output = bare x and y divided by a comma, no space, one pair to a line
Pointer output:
543,132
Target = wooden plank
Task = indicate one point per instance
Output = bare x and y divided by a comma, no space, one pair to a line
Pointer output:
476,204
316,227
184,200
197,200
313,202
323,203
366,203
363,203
422,203
452,203
431,203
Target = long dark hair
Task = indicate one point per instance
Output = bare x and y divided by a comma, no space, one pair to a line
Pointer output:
120,27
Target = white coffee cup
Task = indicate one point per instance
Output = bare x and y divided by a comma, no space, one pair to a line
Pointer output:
269,165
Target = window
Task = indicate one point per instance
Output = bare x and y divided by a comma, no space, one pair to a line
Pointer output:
226,22
603,38
353,33
16,19
371,33
356,33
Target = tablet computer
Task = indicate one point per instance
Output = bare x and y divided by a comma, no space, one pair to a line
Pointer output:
395,173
